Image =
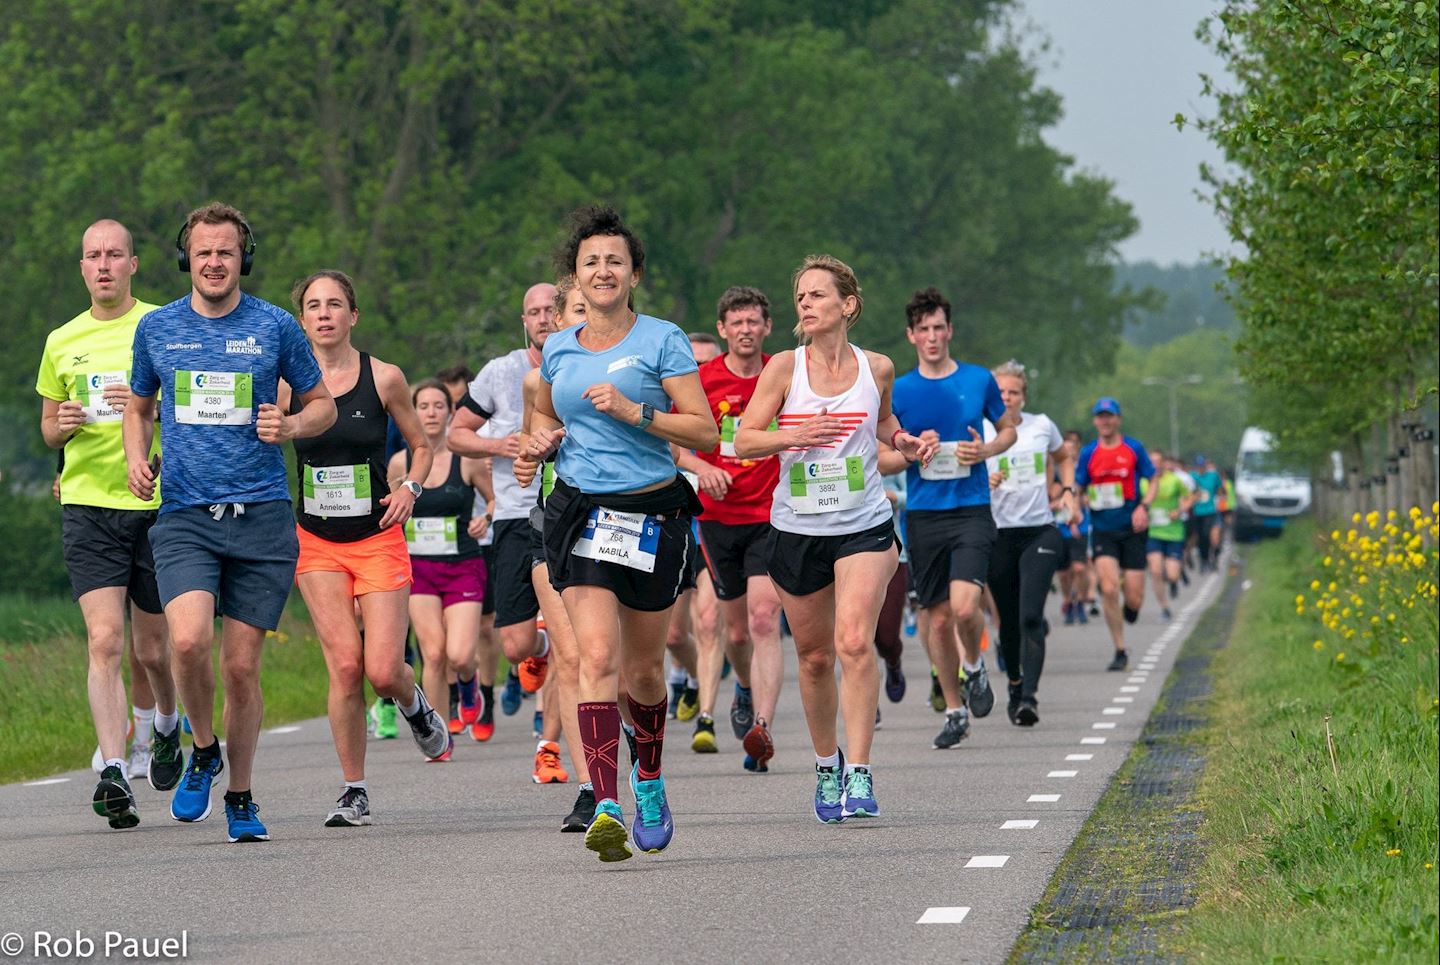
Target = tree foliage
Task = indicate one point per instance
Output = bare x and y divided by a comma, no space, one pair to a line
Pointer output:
1188,298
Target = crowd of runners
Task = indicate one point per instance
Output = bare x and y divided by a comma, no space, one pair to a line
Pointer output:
630,515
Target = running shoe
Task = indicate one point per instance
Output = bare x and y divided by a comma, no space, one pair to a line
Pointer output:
704,740
456,724
754,766
689,704
469,713
894,682
1068,609
759,748
606,835
242,818
139,760
167,760
192,798
653,827
677,690
1185,576
185,724
1174,588
97,760
532,672
978,695
352,810
937,696
1120,662
510,696
630,743
548,769
829,798
1093,607
581,814
113,799
954,730
742,712
1012,705
858,801
725,668
482,730
1080,616
537,725
1028,713
1165,615
430,734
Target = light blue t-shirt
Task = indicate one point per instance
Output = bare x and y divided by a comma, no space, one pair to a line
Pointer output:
215,373
951,406
1210,482
601,454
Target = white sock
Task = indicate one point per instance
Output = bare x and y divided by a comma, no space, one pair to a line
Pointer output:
832,761
144,724
361,785
954,710
691,683
675,675
971,667
166,723
412,708
849,768
545,639
121,763
542,745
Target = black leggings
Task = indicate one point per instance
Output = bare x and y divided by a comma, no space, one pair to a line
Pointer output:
1022,564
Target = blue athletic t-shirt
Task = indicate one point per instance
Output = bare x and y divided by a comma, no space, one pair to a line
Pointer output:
1209,484
951,406
213,374
599,453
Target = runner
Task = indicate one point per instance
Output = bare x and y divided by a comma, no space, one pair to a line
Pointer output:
1075,557
225,538
1111,468
617,525
735,532
495,401
84,388
351,528
950,527
1205,517
449,574
1029,546
833,551
1165,544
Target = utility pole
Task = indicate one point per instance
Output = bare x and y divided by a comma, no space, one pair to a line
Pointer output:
1174,385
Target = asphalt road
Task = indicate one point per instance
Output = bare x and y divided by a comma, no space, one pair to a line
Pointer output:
465,862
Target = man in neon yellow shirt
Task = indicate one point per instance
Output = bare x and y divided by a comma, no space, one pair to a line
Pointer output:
1165,543
84,385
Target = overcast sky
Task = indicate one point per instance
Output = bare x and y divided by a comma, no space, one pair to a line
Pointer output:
1124,69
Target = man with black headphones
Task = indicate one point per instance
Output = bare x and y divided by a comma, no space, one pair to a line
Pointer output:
225,534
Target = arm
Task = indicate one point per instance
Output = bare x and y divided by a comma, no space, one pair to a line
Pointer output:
317,414
689,426
1069,498
714,481
543,434
888,432
476,473
395,395
752,443
465,440
976,450
59,421
138,431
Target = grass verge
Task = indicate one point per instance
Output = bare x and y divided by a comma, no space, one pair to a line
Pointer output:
1311,853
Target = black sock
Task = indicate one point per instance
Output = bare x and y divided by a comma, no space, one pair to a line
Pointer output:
237,798
487,693
1130,615
207,752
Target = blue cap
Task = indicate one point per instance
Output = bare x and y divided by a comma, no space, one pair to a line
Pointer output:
1106,404
1201,461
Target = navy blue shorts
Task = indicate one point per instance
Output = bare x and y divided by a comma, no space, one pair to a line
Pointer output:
245,560
1173,549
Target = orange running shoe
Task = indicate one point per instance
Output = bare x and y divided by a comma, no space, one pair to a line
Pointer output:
532,671
547,765
482,730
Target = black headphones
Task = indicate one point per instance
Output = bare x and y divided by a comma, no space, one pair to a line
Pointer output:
247,253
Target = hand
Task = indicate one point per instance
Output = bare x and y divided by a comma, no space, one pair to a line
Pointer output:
611,401
1140,519
1071,504
478,526
821,429
116,395
930,435
274,426
399,505
524,467
916,448
70,416
510,446
714,481
996,478
972,451
541,443
142,480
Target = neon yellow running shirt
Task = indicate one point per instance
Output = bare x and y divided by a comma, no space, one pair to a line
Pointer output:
81,358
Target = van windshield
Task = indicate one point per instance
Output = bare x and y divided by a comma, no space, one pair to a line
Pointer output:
1267,464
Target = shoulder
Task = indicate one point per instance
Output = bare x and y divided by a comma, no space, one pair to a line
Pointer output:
560,341
783,362
1136,446
167,311
387,375
880,364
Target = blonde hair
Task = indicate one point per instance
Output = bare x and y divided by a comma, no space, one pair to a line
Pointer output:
1014,370
845,283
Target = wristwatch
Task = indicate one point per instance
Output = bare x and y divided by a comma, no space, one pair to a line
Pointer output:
647,415
415,488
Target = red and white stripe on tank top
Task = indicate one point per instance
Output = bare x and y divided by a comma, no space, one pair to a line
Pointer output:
851,421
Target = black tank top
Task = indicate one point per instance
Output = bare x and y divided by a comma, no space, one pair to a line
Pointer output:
441,518
342,470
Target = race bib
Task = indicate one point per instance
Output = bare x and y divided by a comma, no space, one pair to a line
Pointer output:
828,486
1025,470
214,398
547,479
1159,517
433,535
692,478
337,491
1106,496
90,393
729,425
945,465
626,539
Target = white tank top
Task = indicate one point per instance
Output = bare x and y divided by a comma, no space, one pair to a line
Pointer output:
831,490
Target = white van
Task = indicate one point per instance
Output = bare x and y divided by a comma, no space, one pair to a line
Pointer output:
1267,491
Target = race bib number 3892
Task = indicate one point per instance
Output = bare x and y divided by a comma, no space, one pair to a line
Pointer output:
214,398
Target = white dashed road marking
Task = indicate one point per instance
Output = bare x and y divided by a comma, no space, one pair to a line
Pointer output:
988,861
943,916
1025,824
1042,799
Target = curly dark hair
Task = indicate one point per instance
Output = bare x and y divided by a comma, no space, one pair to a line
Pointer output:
923,302
590,221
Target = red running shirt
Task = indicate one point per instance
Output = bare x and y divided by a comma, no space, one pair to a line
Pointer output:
748,499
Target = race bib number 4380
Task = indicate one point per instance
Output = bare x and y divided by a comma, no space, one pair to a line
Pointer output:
214,398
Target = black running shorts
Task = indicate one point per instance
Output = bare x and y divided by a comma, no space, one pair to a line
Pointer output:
1127,546
801,565
508,564
733,554
110,547
947,545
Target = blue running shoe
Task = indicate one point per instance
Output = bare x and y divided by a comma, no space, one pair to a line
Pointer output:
510,696
858,800
538,725
828,796
653,827
185,723
192,798
606,835
243,818
894,682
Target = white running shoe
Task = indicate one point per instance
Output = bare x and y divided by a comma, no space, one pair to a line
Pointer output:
139,760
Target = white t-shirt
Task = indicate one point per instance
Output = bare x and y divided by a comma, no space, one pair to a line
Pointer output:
1023,496
499,393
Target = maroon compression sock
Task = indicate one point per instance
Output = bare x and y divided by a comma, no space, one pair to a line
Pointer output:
600,733
649,721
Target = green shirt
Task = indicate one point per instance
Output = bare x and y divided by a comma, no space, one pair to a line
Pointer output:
1165,511
81,358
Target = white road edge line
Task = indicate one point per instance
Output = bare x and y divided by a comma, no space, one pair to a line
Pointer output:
46,782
